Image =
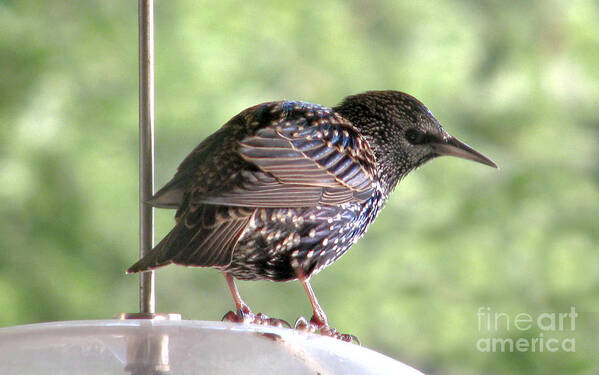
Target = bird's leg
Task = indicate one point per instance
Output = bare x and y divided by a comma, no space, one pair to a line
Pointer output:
319,323
244,314
242,308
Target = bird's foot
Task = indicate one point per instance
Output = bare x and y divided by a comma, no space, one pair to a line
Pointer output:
315,326
245,315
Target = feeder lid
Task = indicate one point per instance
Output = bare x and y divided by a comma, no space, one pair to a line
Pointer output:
181,347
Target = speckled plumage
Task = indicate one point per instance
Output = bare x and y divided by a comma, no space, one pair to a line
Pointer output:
284,188
282,185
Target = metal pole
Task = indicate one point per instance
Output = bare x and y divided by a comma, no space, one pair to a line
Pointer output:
147,297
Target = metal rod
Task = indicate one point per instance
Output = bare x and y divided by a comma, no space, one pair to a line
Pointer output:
147,297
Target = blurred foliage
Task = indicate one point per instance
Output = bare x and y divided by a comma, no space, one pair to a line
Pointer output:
519,80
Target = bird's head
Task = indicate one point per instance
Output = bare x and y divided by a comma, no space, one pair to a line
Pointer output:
403,133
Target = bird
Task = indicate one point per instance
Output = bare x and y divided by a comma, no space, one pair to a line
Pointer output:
285,188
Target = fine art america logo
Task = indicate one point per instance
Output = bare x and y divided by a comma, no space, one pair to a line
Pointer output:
492,324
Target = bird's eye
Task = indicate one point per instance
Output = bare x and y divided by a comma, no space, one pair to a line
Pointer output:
415,137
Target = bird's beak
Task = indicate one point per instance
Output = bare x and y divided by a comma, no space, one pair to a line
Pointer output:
454,147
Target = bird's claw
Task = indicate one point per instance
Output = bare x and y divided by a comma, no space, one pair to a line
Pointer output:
313,326
244,315
301,324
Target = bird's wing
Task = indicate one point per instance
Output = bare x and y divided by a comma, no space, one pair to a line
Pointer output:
277,154
195,169
301,162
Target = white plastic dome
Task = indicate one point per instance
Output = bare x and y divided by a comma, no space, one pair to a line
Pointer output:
181,347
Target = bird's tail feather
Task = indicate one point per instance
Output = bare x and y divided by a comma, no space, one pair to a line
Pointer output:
208,243
161,255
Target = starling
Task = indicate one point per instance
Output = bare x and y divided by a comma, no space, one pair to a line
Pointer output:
285,188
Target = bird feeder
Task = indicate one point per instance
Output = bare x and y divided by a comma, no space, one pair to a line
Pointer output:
150,343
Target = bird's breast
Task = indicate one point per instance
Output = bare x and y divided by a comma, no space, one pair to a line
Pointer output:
279,241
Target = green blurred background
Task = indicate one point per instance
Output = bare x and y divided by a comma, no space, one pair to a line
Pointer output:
518,80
